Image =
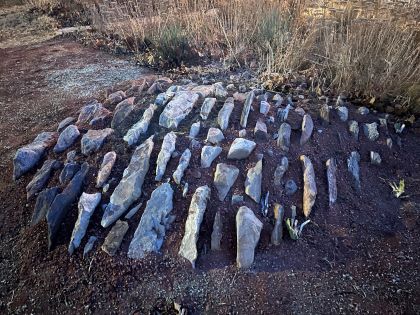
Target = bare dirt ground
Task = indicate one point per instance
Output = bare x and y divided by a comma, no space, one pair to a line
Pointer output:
361,256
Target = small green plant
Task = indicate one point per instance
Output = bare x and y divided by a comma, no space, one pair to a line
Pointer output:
295,230
398,190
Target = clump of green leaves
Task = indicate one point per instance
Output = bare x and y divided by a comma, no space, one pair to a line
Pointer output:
295,230
398,190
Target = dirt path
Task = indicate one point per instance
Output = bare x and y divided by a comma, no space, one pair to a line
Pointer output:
359,257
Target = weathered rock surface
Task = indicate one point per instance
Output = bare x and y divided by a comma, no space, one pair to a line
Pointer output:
121,112
168,147
177,109
106,168
151,230
66,138
375,158
87,205
196,211
184,161
253,182
139,128
294,119
65,123
309,185
164,98
41,178
93,140
354,129
290,187
209,154
223,116
93,114
63,202
100,117
195,129
116,97
260,130
206,108
133,211
280,170
332,180
283,141
343,113
241,149
307,128
68,172
115,237
71,156
219,90
363,110
264,107
129,188
89,245
216,235
248,230
277,233
354,169
371,131
247,107
43,203
224,178
214,136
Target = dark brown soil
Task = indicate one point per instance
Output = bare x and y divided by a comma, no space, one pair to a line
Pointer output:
360,256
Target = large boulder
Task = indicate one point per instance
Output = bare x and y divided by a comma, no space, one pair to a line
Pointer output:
41,177
241,149
93,140
253,182
151,230
224,113
177,109
309,185
248,230
106,168
129,188
168,147
139,128
224,178
196,211
66,138
29,155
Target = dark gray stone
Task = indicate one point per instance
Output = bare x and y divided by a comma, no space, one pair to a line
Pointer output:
93,140
277,233
354,169
115,237
216,235
41,177
283,140
43,203
280,171
246,109
66,138
290,187
69,170
121,112
65,123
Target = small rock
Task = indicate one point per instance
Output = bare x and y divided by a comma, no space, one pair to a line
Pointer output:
41,178
71,156
69,170
185,190
89,245
115,98
264,107
280,171
209,154
260,130
242,88
65,123
106,168
371,131
206,108
307,128
375,158
354,129
231,87
43,203
309,185
133,134
184,161
215,136
224,114
66,138
343,113
216,235
237,199
121,112
300,111
115,237
133,211
242,133
389,143
283,140
253,182
363,110
224,178
195,129
248,230
277,233
290,187
332,180
93,140
241,149
354,169
168,147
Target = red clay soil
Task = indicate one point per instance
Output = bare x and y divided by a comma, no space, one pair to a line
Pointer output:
360,256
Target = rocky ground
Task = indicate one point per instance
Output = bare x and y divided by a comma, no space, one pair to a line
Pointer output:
358,254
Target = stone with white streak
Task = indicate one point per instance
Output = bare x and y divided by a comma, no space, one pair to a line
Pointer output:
168,147
196,211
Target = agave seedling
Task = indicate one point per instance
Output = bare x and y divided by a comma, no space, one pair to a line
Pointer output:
295,230
398,190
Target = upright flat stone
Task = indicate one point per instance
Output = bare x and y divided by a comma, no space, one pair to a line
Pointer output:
277,233
195,129
280,171
66,138
354,129
283,141
168,147
354,169
43,203
253,182
184,161
177,109
215,136
68,172
224,114
307,128
241,149
121,113
224,178
209,154
133,134
260,130
87,205
29,155
309,185
106,168
129,188
41,178
63,202
151,230
196,211
115,237
216,235
206,108
343,113
248,230
93,140
332,180
89,245
371,131
247,107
